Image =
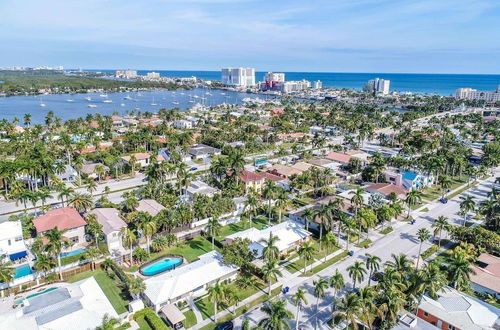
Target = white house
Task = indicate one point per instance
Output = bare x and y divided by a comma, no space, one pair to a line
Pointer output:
200,188
202,151
112,225
11,240
290,236
81,305
187,281
183,124
142,158
69,174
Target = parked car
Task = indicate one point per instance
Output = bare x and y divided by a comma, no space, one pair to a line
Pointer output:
225,326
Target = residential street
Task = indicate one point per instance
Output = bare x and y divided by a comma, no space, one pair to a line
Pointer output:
401,240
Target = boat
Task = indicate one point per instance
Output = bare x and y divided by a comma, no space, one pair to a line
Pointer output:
104,95
107,101
88,98
43,105
153,103
175,102
122,104
70,100
92,106
191,101
128,97
139,94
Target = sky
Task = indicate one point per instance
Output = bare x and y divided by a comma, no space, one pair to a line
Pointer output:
421,36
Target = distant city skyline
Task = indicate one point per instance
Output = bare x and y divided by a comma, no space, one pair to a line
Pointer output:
385,36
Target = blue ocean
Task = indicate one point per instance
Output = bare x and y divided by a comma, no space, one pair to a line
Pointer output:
440,84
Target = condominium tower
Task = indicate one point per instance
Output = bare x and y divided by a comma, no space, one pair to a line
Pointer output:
243,77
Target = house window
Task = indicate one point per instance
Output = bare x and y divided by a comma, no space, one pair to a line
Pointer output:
10,243
451,327
20,238
74,239
426,314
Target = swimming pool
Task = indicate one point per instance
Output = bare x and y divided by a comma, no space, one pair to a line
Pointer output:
161,266
72,253
42,292
22,271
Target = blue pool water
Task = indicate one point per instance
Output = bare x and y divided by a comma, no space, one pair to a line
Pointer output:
161,266
72,253
22,271
40,293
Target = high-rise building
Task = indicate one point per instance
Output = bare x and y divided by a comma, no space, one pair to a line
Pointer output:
295,86
243,77
127,74
318,84
153,75
473,94
274,76
378,86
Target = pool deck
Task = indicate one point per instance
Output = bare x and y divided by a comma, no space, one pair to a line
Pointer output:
6,303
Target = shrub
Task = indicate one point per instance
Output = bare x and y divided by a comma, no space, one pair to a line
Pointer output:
153,320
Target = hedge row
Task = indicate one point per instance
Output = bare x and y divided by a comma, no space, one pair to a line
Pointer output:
153,320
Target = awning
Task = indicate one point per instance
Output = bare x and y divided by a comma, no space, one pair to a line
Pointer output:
173,314
18,255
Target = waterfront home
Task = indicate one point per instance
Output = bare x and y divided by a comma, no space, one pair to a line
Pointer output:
198,187
90,169
325,163
344,157
290,236
303,166
486,276
183,124
385,189
279,181
456,310
252,180
166,153
187,281
150,206
67,219
409,180
202,151
12,245
112,225
80,305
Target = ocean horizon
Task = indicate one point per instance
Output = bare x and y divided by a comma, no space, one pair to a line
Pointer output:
443,84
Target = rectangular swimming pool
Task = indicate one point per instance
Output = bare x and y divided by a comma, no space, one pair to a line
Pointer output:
72,253
22,271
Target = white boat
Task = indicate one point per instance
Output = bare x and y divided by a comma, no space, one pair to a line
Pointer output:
191,101
70,100
104,95
88,98
175,102
128,97
139,94
208,93
153,103
43,105
92,106
122,104
107,101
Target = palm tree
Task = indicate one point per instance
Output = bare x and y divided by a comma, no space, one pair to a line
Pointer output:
401,263
368,309
108,323
423,235
213,228
329,241
413,198
128,238
91,186
357,199
460,271
149,228
299,299
93,253
357,272
135,286
307,215
337,282
270,251
43,263
445,183
467,205
439,225
270,272
277,316
282,201
56,243
269,192
347,309
81,202
391,303
372,264
320,287
306,252
6,272
216,293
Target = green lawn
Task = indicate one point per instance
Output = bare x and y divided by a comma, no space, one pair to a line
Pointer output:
386,230
109,286
257,222
206,307
434,192
190,250
326,264
364,243
190,319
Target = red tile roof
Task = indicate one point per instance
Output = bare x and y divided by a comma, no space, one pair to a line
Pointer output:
63,218
338,157
247,176
386,188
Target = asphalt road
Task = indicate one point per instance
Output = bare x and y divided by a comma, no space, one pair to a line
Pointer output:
401,240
